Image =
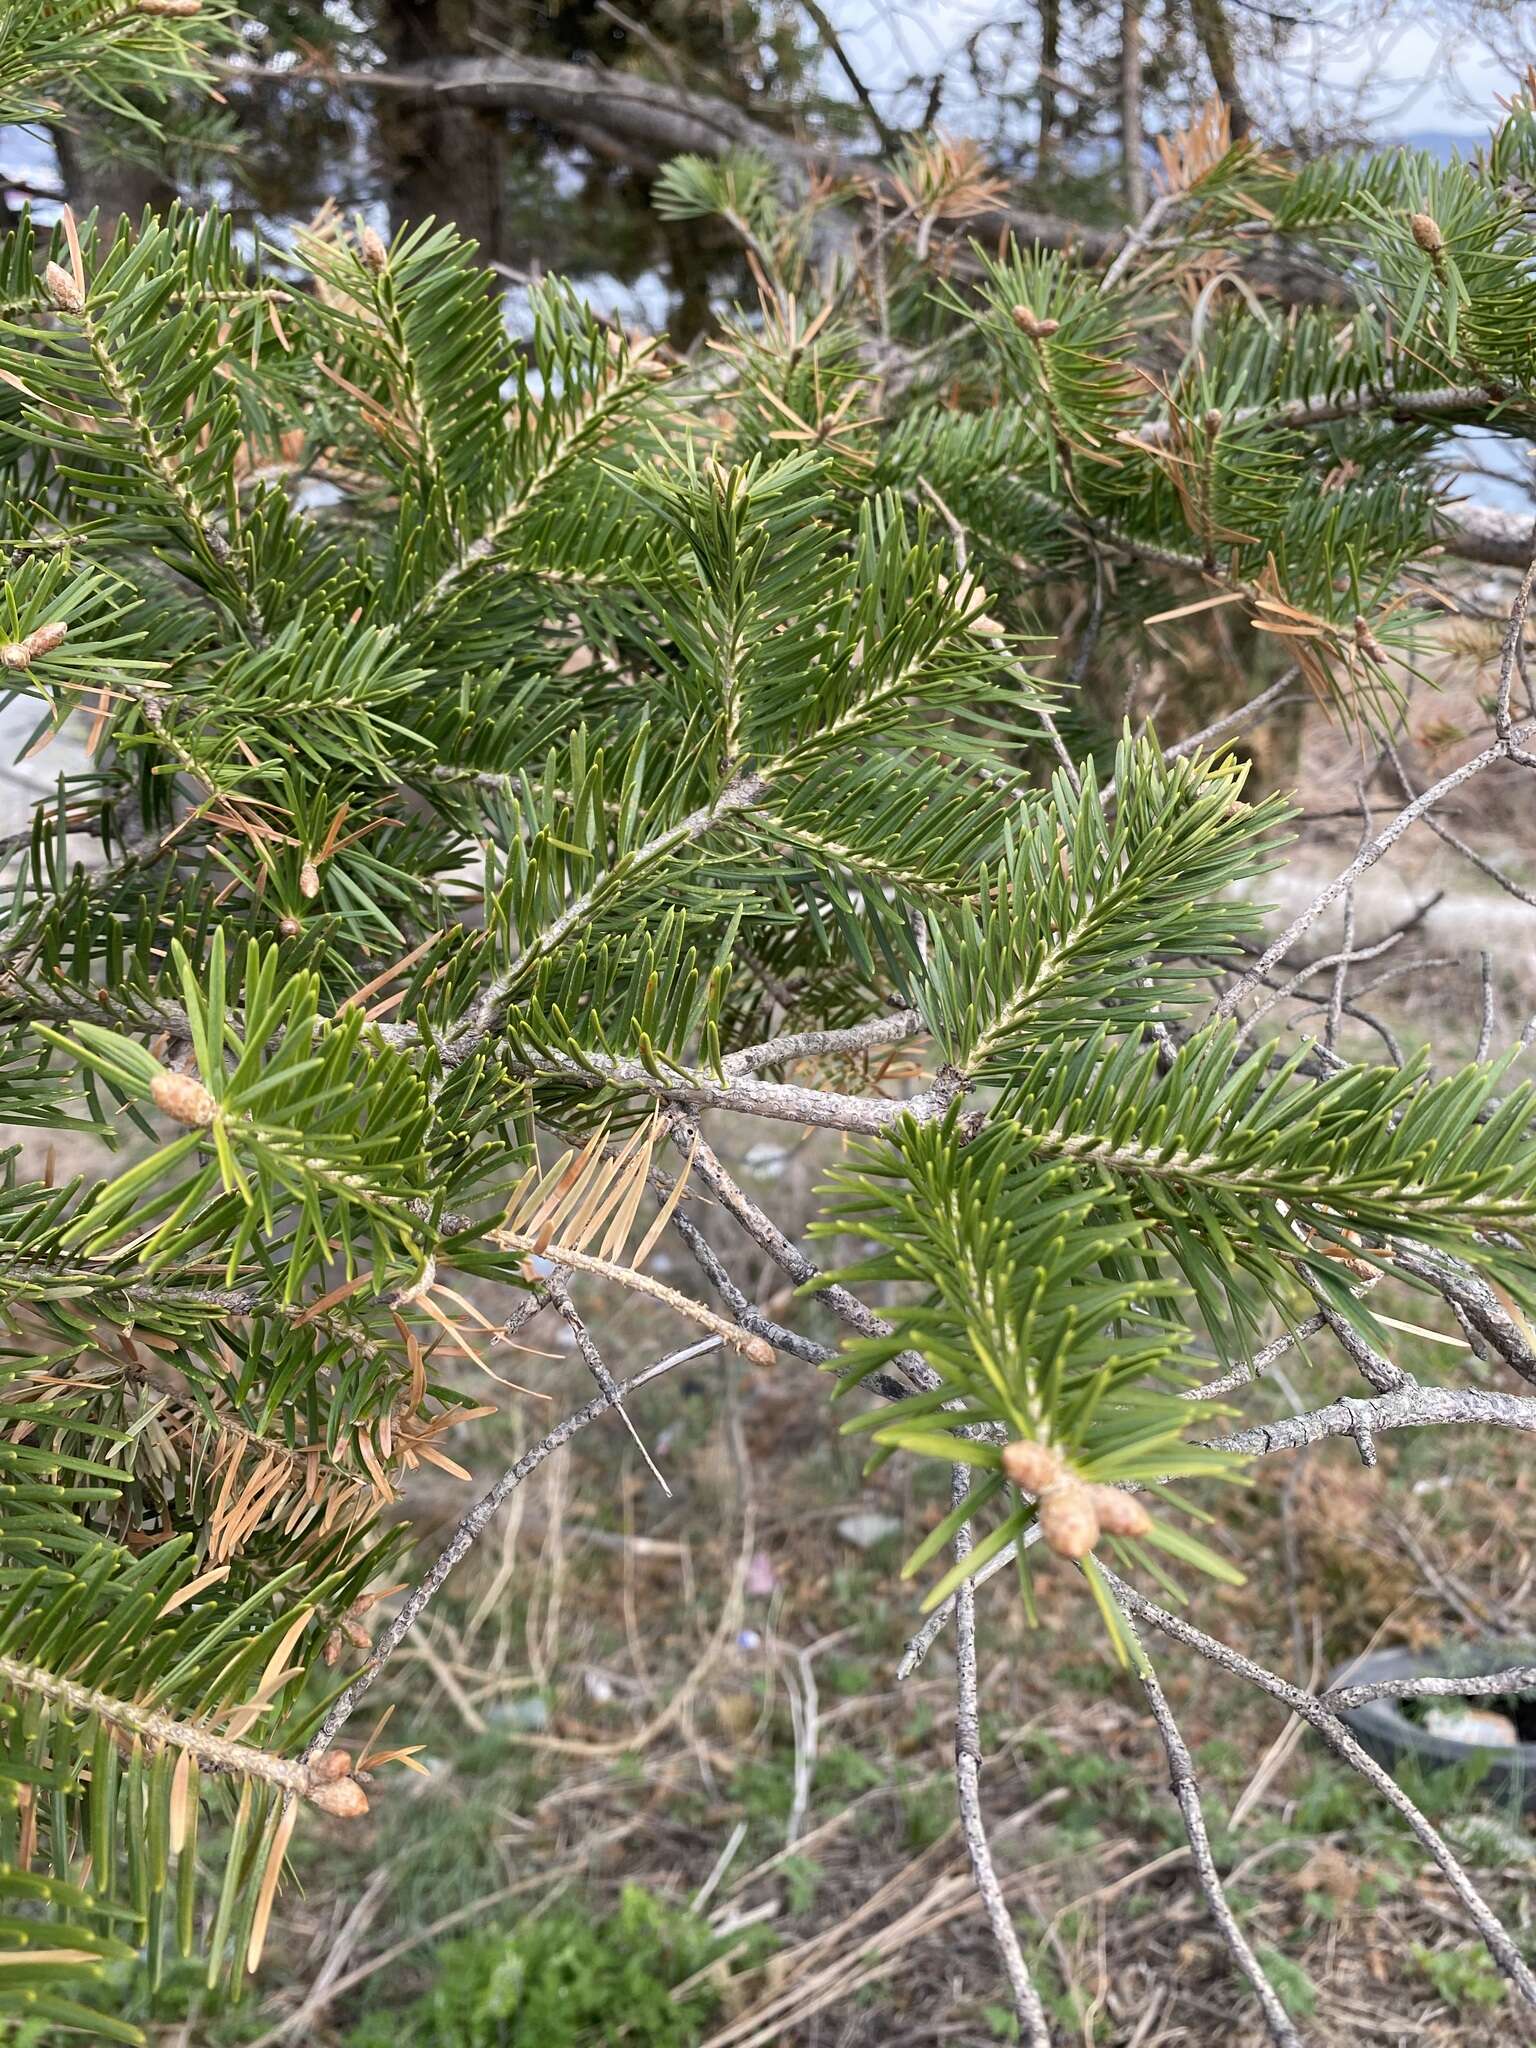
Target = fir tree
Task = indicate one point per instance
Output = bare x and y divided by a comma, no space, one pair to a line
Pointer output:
503,758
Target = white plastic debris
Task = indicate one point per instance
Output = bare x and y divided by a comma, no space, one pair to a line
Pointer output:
1478,1726
866,1529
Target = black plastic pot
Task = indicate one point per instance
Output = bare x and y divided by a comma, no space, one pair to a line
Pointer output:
1390,1735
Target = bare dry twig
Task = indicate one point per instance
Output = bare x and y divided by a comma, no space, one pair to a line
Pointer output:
1186,1789
1514,1678
1326,1722
1367,857
463,1539
1026,1999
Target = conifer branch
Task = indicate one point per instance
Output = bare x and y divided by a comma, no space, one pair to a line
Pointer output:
1413,1407
1476,1304
738,797
807,1045
579,433
1324,408
1409,1407
787,1256
687,701
779,1101
161,464
212,1751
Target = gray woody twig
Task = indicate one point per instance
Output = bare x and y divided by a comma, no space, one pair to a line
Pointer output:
1515,1678
1367,857
786,1255
1186,1790
1026,1999
592,1359
463,1537
1334,1732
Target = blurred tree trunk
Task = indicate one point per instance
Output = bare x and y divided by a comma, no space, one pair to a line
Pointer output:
1050,58
114,185
1215,36
443,159
1132,145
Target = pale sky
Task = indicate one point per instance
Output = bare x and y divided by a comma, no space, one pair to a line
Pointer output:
1407,75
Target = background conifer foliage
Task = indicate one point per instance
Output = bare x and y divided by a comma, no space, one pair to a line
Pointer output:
508,759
